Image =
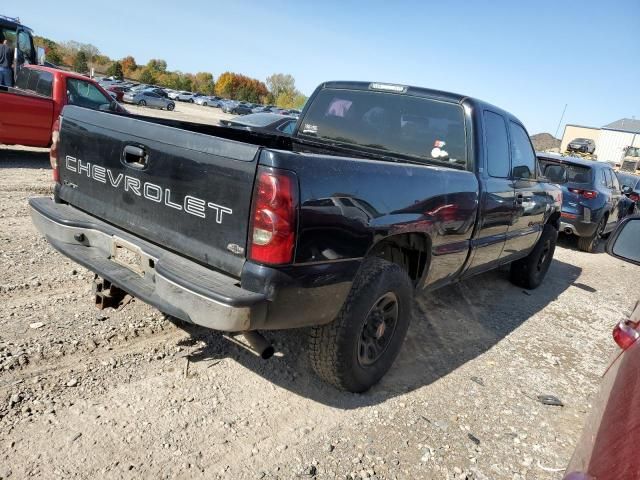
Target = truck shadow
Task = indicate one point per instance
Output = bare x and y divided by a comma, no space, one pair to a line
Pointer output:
450,327
35,158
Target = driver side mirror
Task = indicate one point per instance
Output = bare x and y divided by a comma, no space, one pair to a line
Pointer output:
624,243
41,55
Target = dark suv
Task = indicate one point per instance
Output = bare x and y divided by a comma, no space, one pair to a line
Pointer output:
583,145
590,196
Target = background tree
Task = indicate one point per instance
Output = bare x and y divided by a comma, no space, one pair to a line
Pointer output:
128,65
146,76
80,62
279,83
115,70
203,83
157,65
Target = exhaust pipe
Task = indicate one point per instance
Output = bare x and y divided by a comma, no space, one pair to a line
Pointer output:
568,231
255,343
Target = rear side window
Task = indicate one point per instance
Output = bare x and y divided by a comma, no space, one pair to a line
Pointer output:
33,80
22,80
523,158
45,84
416,127
497,145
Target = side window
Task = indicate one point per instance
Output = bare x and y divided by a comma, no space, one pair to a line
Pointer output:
45,84
85,94
523,158
22,80
33,80
603,179
288,127
497,145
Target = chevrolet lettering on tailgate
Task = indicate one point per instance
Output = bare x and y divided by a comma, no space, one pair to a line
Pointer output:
189,204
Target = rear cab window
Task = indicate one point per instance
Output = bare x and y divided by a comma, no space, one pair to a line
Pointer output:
417,128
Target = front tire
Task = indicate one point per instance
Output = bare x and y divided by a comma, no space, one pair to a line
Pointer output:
529,272
356,350
589,244
142,103
170,107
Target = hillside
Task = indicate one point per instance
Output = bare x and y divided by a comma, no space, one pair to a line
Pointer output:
545,142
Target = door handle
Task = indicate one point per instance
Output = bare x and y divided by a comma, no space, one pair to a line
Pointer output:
135,156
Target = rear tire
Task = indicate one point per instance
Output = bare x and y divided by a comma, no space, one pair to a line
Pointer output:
142,103
355,350
170,107
204,104
589,244
529,272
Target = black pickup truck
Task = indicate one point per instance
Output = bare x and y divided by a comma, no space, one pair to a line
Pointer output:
381,190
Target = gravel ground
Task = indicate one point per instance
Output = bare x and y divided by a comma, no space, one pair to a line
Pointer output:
128,394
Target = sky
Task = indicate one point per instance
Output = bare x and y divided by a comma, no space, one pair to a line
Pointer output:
530,58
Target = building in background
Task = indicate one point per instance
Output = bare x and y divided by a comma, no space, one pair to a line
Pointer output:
611,140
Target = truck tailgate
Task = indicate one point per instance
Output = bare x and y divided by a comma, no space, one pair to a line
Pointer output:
186,191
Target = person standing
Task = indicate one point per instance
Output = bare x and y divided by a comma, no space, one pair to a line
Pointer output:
6,64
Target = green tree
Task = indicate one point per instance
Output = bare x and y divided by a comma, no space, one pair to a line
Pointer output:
279,83
80,62
115,70
146,76
157,65
203,83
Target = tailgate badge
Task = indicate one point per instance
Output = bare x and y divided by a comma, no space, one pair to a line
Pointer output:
237,249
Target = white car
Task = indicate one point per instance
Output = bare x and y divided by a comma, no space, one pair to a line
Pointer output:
185,97
173,94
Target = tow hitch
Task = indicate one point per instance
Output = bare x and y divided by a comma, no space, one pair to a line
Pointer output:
107,294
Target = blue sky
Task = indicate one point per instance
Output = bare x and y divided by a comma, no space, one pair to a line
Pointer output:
527,57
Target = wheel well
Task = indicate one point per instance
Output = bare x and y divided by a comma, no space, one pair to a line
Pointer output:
409,250
554,220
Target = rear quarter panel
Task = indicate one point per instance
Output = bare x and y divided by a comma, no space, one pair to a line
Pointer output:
348,205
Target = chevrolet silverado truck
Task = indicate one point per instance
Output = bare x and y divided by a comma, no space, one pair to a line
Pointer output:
382,190
30,109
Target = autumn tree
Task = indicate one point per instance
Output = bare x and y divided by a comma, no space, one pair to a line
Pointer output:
240,87
129,65
115,70
80,62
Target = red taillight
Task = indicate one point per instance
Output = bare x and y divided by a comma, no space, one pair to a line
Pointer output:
585,193
53,151
634,197
625,333
273,226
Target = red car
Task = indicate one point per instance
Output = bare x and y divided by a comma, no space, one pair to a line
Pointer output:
608,446
119,91
30,109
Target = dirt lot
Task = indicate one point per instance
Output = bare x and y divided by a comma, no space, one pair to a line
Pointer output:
127,394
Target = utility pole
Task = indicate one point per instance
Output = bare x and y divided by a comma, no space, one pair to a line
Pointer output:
561,117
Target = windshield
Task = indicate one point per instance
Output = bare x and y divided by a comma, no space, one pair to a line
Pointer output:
575,173
386,123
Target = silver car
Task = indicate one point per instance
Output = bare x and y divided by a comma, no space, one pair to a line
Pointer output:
207,101
150,99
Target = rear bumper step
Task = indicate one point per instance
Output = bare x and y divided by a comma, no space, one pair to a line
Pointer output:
171,283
